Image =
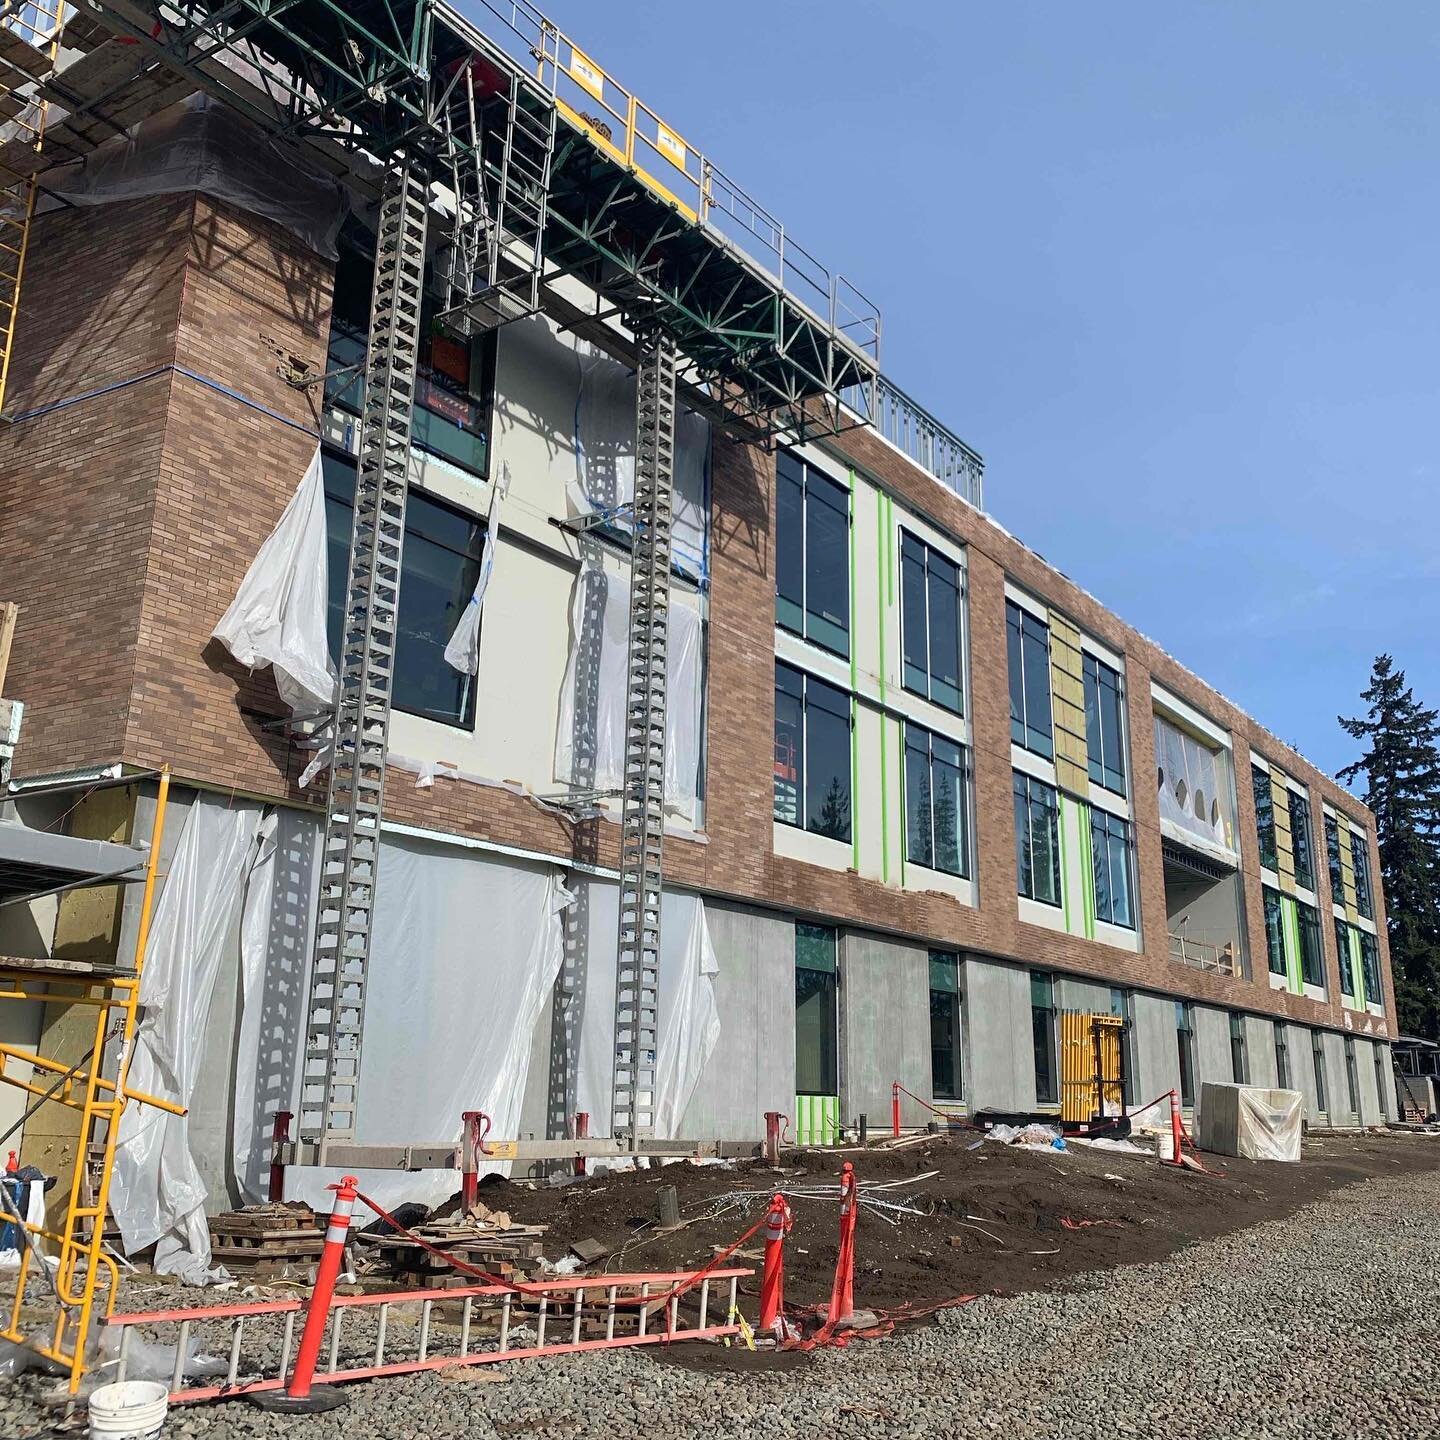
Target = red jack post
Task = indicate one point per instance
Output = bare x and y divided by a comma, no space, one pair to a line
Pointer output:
895,1109
582,1132
472,1146
772,1280
1177,1130
279,1135
298,1398
772,1138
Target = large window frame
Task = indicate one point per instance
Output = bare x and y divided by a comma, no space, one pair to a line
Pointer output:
932,623
1312,954
1104,723
454,379
936,767
1360,863
1352,1075
1264,818
1370,968
1027,650
1302,838
1317,1063
812,554
1333,860
1342,950
947,1020
1037,826
1112,854
1239,1051
433,529
1044,1022
817,1010
1274,930
1282,1056
807,707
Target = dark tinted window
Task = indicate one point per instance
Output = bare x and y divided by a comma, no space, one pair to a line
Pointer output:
1104,724
1028,650
812,554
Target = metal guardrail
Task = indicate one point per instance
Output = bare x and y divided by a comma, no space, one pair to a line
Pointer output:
1204,955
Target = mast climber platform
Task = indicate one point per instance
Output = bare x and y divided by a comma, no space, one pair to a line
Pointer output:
520,162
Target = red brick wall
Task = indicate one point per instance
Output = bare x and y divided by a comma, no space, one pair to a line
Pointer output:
130,520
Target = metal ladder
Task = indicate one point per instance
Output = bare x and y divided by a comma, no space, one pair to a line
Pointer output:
498,243
637,980
29,43
350,854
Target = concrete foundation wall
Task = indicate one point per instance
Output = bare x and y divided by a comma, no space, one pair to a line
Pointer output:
1086,995
1157,1054
1260,1051
999,1051
1342,1113
1212,1049
1370,1111
753,1067
1385,1097
884,1027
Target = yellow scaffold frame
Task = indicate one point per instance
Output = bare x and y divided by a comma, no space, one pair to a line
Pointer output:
101,1102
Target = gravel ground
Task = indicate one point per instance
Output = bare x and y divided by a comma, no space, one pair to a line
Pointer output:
1324,1323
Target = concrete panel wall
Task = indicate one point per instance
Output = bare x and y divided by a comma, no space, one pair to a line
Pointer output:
1302,1073
1370,1111
1157,1053
884,1027
1342,1112
753,1067
999,1054
1212,1049
1086,995
1385,1098
1260,1051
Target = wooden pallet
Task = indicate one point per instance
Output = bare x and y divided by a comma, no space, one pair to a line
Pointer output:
507,1253
262,1239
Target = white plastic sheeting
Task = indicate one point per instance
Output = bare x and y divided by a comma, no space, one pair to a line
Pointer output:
462,650
605,457
590,740
203,145
464,957
1250,1121
158,1196
689,1019
1194,785
277,617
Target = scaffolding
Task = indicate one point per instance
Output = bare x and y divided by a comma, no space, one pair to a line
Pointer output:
85,1277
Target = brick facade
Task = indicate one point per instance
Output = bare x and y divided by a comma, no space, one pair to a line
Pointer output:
131,516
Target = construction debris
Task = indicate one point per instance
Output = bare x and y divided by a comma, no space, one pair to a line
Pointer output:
510,1251
264,1240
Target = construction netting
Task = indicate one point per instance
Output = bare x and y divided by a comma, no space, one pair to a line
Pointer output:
1194,786
202,145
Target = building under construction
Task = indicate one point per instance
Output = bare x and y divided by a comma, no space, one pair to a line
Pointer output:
581,674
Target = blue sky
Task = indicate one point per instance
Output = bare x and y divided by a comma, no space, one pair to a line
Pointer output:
1170,267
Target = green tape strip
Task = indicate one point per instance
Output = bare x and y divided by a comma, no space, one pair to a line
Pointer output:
1294,980
1064,869
880,582
884,806
900,786
854,780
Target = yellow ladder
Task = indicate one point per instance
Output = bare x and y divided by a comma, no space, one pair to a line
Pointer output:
29,43
76,1284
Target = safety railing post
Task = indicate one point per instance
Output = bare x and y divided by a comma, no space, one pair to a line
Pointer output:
772,1281
895,1109
279,1135
298,1398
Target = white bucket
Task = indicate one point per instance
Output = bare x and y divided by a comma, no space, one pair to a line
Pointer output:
1165,1144
130,1410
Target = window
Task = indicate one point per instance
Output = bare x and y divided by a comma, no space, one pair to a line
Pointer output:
1379,1081
812,554
1317,1060
1122,1003
1037,840
1352,1076
1312,959
1042,1027
1274,930
1301,840
1264,817
440,566
816,1071
812,754
1104,724
454,379
946,1081
936,812
1342,949
1360,860
1239,1060
1332,856
1185,1035
1114,868
930,623
1370,967
1282,1056
1028,646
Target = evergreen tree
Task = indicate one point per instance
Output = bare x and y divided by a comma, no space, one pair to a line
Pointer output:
1401,766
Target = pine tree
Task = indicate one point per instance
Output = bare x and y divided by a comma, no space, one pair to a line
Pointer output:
1401,767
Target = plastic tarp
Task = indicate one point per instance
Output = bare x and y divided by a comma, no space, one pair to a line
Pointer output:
203,145
605,457
465,953
590,740
158,1196
1194,788
277,617
462,650
1250,1121
689,1019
